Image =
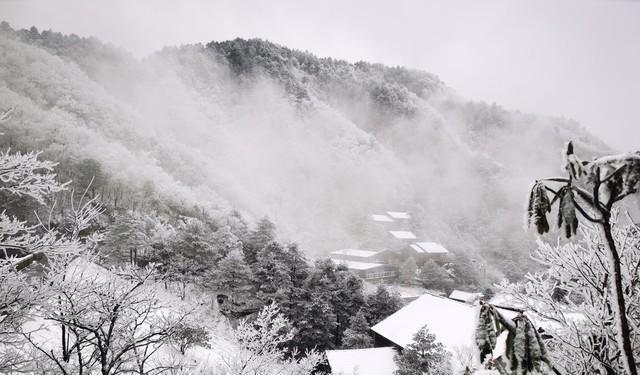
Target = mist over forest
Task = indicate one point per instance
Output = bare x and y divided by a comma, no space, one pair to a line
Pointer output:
239,207
314,144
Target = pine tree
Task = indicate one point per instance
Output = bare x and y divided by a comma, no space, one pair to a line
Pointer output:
317,323
381,304
435,277
233,277
272,276
408,271
357,335
424,355
260,237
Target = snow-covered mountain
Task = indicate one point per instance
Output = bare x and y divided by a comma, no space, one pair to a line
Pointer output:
316,144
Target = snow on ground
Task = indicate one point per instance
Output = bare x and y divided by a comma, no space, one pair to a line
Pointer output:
372,361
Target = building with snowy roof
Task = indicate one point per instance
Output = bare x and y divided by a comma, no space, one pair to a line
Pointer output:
466,297
402,235
374,272
371,361
422,251
452,322
399,215
357,255
381,218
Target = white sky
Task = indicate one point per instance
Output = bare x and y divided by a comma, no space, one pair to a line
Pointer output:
578,59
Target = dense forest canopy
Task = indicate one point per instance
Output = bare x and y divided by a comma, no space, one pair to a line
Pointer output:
316,144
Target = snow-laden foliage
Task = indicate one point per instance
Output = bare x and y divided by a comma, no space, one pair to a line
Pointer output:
424,356
113,321
525,352
567,217
261,348
573,301
592,188
23,174
23,244
538,207
357,336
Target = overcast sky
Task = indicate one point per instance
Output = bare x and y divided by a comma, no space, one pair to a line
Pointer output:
578,59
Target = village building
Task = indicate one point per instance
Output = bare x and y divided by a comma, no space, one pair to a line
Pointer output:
422,251
373,272
452,322
367,256
381,218
402,235
466,297
399,215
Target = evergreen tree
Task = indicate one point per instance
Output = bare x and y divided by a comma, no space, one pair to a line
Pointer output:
272,276
435,277
233,277
317,324
194,241
357,335
260,237
381,304
424,356
408,270
341,288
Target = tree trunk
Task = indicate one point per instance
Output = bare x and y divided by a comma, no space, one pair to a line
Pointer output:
622,324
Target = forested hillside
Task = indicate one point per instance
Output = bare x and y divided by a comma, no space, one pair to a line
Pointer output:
238,130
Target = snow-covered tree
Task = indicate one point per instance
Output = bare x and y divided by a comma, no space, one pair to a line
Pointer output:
357,335
381,304
435,277
408,271
572,296
262,350
424,356
22,244
114,320
590,190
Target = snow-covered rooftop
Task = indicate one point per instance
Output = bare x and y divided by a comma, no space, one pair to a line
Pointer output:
403,234
429,248
353,265
371,361
382,218
452,322
464,296
399,215
356,253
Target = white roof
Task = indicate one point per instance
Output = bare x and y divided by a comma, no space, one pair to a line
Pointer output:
402,234
371,361
429,248
452,322
399,215
464,296
382,218
352,265
355,252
